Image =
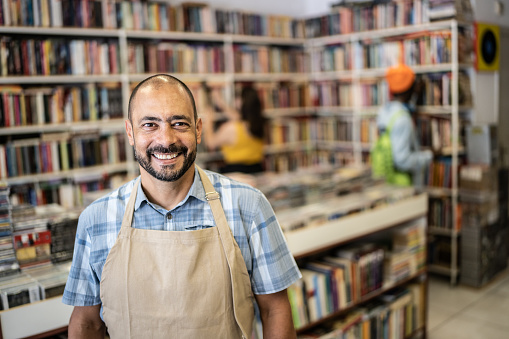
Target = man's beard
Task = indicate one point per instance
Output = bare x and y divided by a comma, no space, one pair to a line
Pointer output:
168,172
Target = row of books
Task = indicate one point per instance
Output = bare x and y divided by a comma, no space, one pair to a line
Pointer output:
283,131
293,160
344,20
56,152
439,173
437,89
395,314
345,277
68,193
330,129
440,212
145,15
8,262
427,49
269,59
55,56
433,132
447,9
369,130
431,48
333,129
167,57
60,104
282,95
330,93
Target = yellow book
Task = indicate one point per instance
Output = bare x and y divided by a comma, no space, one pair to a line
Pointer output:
64,156
76,103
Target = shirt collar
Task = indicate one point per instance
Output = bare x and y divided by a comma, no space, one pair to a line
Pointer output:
197,191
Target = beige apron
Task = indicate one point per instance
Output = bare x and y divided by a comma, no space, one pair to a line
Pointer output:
169,284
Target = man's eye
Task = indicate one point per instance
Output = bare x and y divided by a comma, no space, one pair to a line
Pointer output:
148,124
181,124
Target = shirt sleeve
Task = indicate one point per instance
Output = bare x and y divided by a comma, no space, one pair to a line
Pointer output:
274,268
83,286
402,138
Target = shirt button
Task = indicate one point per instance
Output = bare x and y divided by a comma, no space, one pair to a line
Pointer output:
169,216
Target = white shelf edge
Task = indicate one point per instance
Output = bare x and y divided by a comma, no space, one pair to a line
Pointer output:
383,33
80,174
54,31
345,229
287,147
42,316
116,125
441,269
57,79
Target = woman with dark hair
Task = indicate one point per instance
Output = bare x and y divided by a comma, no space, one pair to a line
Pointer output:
240,138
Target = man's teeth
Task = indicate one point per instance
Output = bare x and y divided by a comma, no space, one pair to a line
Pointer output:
165,156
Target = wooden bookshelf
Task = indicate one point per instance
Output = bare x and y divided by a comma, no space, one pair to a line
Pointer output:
357,71
309,243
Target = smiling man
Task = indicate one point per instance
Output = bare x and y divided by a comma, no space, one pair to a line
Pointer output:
178,252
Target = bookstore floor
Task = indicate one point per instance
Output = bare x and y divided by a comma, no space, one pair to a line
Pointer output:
468,313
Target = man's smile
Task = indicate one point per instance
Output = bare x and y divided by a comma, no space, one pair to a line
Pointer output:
165,156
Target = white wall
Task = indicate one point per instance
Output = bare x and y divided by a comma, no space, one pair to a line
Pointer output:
490,87
484,11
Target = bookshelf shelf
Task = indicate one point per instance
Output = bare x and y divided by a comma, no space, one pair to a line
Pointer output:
54,31
359,59
81,174
310,243
307,241
287,147
274,113
335,145
441,110
334,110
265,40
438,191
59,79
178,36
443,270
43,317
442,231
110,125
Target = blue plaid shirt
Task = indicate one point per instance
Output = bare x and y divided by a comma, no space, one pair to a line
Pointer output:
271,266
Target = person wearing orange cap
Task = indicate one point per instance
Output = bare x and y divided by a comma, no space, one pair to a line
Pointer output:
395,119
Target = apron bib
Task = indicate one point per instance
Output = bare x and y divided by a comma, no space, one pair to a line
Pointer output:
170,284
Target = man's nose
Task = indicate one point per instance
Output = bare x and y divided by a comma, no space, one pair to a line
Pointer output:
168,135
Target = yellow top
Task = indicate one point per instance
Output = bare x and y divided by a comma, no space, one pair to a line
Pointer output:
247,149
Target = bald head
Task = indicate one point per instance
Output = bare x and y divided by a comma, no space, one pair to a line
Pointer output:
156,82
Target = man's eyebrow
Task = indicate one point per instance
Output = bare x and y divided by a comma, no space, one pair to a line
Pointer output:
180,117
172,118
150,118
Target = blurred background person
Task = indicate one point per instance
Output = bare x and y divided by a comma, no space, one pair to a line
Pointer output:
397,155
241,137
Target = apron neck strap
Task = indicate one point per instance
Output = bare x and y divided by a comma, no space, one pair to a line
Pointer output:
129,210
213,198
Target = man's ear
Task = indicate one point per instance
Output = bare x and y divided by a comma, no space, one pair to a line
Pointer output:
129,131
199,129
